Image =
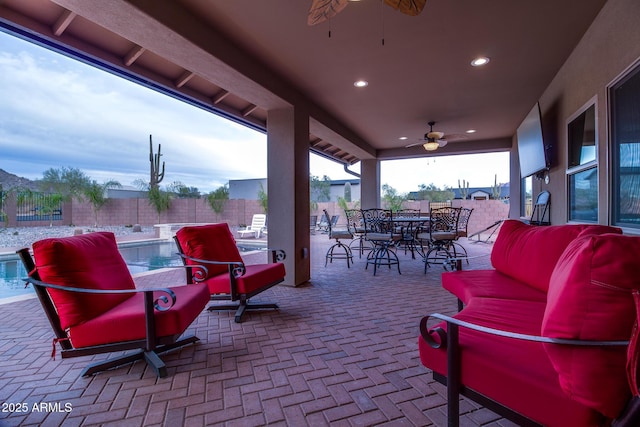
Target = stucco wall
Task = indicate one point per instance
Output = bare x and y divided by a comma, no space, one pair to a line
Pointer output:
609,47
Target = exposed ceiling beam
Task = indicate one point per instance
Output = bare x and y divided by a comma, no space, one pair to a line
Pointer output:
184,78
133,54
218,97
63,22
250,109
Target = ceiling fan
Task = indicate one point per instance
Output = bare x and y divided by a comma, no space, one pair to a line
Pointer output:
321,10
432,140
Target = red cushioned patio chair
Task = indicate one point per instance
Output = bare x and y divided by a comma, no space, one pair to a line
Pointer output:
227,276
92,303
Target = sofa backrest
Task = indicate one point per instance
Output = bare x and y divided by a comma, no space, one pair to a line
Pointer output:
89,261
212,242
591,297
529,253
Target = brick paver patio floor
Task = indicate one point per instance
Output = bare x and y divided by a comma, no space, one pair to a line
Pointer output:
340,351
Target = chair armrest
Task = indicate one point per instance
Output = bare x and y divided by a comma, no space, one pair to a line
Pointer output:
162,303
425,332
236,268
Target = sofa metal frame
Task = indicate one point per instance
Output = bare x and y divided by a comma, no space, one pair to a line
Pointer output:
450,340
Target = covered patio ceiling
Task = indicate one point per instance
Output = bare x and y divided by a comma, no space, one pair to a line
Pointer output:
242,58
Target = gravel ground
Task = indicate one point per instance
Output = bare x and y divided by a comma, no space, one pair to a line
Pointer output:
20,237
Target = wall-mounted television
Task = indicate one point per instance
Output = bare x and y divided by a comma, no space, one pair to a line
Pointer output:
531,148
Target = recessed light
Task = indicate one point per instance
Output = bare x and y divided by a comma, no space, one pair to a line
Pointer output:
471,131
402,138
361,83
480,61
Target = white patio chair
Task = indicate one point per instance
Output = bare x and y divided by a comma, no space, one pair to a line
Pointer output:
258,223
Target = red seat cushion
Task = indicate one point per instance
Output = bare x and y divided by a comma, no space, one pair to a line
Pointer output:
255,278
126,321
590,299
213,242
516,373
529,253
468,284
89,261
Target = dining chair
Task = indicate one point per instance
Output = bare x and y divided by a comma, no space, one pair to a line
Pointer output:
355,225
407,228
462,230
440,233
379,230
338,250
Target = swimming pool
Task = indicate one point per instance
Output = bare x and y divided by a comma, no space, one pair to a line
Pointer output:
139,257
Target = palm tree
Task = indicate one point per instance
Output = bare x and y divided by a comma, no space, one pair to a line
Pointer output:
160,200
95,194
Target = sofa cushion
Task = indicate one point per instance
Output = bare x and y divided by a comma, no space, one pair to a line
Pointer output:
590,298
256,277
89,261
126,321
467,284
213,242
516,373
529,253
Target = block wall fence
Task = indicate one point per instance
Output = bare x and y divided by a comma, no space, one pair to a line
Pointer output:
122,212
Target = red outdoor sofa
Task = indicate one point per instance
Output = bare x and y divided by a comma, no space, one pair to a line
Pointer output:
542,338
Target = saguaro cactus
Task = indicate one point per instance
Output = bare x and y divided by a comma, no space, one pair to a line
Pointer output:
155,176
495,190
464,189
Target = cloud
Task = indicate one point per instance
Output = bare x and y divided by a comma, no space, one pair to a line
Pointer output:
59,112
56,111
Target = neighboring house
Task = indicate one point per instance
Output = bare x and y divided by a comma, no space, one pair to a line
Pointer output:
248,188
482,193
126,192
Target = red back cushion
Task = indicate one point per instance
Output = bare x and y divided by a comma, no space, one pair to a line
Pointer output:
590,298
212,242
89,261
529,253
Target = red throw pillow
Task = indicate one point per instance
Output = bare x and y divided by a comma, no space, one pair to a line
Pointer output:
212,242
590,298
90,261
529,253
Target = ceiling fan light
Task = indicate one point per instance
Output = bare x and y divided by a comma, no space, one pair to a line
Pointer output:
431,145
435,135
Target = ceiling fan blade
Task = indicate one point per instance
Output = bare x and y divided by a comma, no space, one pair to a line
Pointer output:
321,10
408,7
421,142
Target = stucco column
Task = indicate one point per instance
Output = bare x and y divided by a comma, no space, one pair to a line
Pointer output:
288,190
370,184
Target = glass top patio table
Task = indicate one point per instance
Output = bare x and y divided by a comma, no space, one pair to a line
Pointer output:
408,226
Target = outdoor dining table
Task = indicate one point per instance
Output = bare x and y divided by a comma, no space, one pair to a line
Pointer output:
408,226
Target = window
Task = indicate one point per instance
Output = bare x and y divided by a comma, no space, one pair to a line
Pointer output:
624,98
526,197
582,167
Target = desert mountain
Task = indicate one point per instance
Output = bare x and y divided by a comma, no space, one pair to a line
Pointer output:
9,181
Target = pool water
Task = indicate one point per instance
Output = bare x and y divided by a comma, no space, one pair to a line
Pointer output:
139,257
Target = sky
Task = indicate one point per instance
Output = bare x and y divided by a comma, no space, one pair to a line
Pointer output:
58,112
